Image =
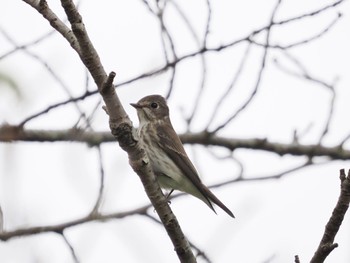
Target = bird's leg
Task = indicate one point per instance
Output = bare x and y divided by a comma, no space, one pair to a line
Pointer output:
168,196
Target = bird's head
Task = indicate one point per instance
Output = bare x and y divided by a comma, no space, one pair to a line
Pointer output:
151,108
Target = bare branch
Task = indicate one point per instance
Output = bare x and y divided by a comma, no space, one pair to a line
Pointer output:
27,45
202,46
89,117
270,259
200,252
59,228
102,179
72,251
232,158
121,128
42,7
165,38
186,21
120,124
147,4
199,94
1,220
260,74
207,27
6,235
54,106
267,177
230,87
15,133
326,245
311,14
302,42
231,144
201,51
48,69
307,76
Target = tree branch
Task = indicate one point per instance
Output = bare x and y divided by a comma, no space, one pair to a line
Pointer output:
10,133
59,228
259,77
119,122
326,245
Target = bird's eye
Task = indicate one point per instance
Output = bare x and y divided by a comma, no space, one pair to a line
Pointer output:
154,105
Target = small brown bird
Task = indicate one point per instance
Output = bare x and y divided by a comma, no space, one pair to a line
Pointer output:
167,156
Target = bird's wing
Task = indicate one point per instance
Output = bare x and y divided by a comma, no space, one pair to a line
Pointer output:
172,146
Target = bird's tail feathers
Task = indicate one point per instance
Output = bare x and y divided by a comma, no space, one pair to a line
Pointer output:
210,197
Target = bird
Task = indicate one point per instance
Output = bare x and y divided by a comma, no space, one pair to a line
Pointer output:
167,156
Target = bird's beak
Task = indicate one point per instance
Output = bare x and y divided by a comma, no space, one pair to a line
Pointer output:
136,106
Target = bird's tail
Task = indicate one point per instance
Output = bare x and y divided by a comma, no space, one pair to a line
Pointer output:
208,197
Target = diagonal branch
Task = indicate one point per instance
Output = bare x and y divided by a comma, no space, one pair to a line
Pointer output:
42,7
326,245
120,124
71,249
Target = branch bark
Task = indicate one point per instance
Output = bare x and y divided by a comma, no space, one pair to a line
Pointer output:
10,133
326,245
59,228
119,122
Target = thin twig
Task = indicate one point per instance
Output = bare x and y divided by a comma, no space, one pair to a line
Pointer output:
259,78
102,176
201,51
48,68
196,38
301,42
310,14
1,220
90,116
59,228
28,44
231,86
204,69
304,74
6,235
166,37
71,249
279,175
56,105
231,157
207,26
187,22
